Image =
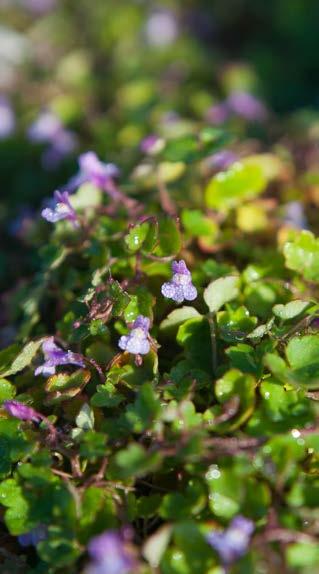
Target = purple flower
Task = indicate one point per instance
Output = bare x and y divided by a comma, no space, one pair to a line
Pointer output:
295,215
48,128
110,555
55,356
222,159
161,28
136,342
21,411
218,113
180,287
96,171
39,6
7,118
45,128
233,542
247,106
64,144
33,537
152,144
61,210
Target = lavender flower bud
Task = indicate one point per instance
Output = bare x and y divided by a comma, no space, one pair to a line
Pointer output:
21,411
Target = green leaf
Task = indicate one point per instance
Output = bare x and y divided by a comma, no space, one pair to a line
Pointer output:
85,418
197,224
16,515
185,415
290,310
57,549
63,386
24,358
13,444
147,506
245,358
117,296
303,356
136,236
234,324
286,406
93,445
176,318
226,491
141,303
221,291
134,461
260,298
181,505
144,412
107,395
305,491
169,238
303,555
7,356
236,384
184,148
97,328
7,390
194,336
98,512
192,554
302,255
156,544
243,180
169,171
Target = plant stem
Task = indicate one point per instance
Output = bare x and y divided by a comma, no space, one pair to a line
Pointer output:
213,335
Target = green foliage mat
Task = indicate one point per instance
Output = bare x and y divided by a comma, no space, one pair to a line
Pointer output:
218,419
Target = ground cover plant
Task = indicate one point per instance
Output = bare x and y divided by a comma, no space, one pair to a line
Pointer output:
159,362
162,390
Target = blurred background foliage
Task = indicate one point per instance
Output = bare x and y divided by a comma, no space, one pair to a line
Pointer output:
114,71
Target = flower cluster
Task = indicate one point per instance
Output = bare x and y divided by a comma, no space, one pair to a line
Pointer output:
55,356
180,288
110,555
232,543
